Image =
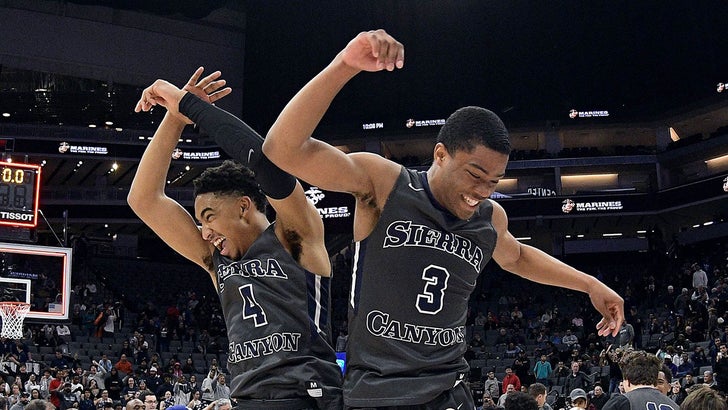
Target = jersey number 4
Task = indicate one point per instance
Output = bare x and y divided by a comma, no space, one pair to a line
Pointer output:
251,308
431,299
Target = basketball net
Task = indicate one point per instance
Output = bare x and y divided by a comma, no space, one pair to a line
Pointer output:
12,314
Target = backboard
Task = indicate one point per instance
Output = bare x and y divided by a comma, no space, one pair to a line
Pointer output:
39,275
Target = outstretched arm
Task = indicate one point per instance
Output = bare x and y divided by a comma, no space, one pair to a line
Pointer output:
535,265
289,143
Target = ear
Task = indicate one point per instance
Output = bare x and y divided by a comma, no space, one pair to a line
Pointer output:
439,152
245,204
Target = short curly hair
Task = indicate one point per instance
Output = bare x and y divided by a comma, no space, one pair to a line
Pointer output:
230,179
520,401
640,367
469,127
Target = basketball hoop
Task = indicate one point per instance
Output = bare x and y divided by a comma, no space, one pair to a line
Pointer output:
12,314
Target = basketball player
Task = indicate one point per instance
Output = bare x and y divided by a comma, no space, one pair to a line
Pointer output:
272,278
422,240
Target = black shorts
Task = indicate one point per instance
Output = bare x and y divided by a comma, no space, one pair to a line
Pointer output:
459,397
280,404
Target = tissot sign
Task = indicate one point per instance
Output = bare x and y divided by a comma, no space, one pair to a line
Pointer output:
335,208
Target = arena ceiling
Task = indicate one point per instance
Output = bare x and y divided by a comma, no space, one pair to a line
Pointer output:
530,62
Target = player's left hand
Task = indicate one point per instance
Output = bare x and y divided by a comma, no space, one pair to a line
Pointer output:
373,50
610,305
210,88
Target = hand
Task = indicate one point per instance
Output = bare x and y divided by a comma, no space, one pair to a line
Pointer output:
208,89
160,93
610,305
373,51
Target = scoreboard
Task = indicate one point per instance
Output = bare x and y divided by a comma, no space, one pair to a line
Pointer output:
19,191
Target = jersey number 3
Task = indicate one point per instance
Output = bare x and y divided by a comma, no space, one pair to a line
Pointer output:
251,308
430,300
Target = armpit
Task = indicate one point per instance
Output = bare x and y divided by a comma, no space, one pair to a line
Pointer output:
294,242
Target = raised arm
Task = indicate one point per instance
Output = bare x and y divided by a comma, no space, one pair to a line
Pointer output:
533,264
167,218
289,143
294,213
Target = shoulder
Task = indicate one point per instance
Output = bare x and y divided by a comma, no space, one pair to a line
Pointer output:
618,402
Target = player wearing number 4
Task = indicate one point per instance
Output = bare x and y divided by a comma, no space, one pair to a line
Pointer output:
423,238
272,278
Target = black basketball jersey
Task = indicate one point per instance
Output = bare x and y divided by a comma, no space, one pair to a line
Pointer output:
277,321
412,278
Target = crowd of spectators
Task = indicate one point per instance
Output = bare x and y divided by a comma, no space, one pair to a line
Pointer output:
173,349
535,334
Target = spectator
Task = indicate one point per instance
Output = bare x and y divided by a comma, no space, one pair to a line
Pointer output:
123,365
165,387
96,373
114,384
510,379
708,379
509,389
538,392
492,385
208,394
105,364
578,399
542,371
181,391
60,361
520,401
63,333
598,399
222,391
700,278
677,393
704,398
130,390
640,370
576,378
195,402
488,403
189,366
153,379
102,401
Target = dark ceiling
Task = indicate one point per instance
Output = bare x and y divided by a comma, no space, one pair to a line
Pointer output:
531,62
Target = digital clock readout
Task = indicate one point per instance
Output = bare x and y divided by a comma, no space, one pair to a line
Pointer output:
19,186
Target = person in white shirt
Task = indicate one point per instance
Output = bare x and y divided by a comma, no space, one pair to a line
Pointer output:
222,390
98,373
208,394
64,336
700,278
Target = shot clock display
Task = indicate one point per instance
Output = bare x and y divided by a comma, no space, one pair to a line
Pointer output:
19,189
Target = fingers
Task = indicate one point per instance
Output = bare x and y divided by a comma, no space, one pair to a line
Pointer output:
388,51
195,76
208,80
214,86
146,102
220,93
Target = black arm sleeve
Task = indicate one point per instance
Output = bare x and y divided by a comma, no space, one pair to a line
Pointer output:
239,141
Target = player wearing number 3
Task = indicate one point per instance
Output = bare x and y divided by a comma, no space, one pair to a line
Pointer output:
422,239
272,278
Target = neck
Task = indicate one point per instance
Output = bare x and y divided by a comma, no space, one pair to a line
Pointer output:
629,386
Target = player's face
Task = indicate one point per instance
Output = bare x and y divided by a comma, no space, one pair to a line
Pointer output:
662,384
222,223
464,179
